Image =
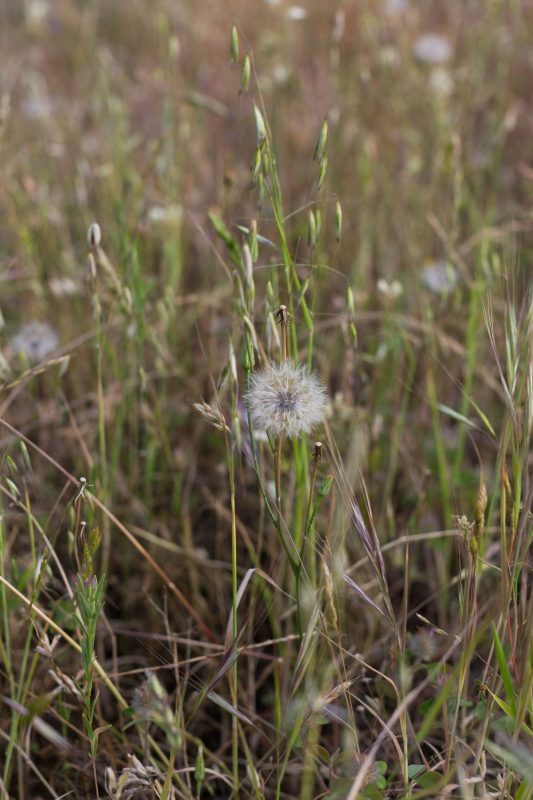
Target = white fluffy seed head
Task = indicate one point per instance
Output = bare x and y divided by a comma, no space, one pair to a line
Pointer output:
286,400
35,341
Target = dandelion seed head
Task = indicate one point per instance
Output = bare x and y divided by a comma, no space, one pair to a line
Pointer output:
35,341
423,644
286,400
433,48
439,277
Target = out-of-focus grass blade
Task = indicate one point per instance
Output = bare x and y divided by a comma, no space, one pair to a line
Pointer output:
506,708
451,412
216,698
515,756
504,672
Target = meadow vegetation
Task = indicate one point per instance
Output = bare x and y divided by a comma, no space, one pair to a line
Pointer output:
266,399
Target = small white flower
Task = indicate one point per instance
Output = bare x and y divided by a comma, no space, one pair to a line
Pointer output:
165,215
286,400
296,13
389,56
37,11
38,107
281,74
439,277
389,290
64,287
35,341
441,81
433,48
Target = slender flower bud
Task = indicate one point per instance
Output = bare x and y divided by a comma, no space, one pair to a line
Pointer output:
252,241
320,148
311,229
259,126
350,302
256,168
325,487
480,508
234,45
338,220
322,169
247,353
94,235
245,73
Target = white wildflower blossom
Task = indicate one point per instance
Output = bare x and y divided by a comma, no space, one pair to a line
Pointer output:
165,215
35,341
281,75
296,13
441,81
388,56
432,48
37,11
64,287
391,290
286,400
423,644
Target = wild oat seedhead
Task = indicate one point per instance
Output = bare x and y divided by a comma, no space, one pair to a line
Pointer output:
213,415
286,400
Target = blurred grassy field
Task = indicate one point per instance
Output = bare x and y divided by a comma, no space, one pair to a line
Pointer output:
392,654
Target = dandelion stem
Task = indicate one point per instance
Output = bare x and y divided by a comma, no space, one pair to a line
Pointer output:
308,526
279,448
282,317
